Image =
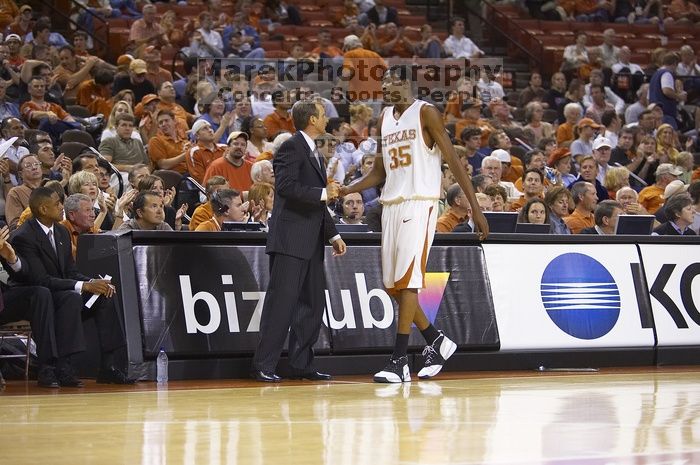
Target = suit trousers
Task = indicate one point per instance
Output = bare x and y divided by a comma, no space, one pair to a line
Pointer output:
109,328
33,303
293,305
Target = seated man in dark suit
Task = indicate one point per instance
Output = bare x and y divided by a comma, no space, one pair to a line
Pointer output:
34,303
605,217
45,244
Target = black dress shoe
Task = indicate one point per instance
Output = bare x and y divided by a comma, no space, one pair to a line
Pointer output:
47,377
66,378
312,376
113,376
265,376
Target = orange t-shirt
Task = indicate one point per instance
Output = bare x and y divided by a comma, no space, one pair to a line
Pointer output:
238,177
199,158
211,225
75,234
201,214
565,133
577,222
367,73
162,147
448,221
651,198
30,107
275,124
95,98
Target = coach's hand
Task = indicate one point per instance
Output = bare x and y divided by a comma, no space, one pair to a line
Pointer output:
339,248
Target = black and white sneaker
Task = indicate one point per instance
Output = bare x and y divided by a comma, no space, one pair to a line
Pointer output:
435,355
396,371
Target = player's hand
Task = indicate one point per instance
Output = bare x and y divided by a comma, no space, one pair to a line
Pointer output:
332,190
339,248
343,191
481,225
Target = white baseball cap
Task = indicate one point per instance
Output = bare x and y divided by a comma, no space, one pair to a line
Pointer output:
601,142
502,155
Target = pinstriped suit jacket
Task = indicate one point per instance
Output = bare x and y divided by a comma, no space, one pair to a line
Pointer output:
300,221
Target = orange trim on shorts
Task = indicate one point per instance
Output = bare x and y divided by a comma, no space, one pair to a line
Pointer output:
405,279
424,257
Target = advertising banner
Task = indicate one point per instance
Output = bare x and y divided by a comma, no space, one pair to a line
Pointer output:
556,296
671,272
200,300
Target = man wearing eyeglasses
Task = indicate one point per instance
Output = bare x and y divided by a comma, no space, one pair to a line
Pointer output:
29,171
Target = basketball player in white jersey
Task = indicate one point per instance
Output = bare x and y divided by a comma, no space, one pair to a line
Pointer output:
413,143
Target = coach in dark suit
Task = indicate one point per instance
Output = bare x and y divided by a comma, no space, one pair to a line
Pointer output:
46,246
300,228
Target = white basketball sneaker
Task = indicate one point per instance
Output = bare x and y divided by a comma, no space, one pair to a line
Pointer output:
435,355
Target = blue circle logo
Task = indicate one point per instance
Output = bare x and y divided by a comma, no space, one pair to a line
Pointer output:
580,296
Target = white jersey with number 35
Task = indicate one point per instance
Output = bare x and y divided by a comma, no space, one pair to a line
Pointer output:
412,169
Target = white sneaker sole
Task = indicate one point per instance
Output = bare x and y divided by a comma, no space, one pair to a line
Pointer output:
390,377
447,348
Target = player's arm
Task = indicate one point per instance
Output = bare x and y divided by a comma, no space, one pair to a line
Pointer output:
432,119
376,175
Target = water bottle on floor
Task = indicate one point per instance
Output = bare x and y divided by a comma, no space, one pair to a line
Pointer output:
162,367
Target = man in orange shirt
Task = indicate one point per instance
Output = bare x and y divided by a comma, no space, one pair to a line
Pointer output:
154,72
394,44
459,210
325,49
166,94
585,199
96,94
652,197
226,206
362,71
204,152
167,149
532,183
204,211
40,114
279,120
233,166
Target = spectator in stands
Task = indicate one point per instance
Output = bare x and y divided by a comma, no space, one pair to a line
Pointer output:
602,149
233,166
381,14
533,160
558,200
598,104
623,154
673,188
684,11
627,197
560,162
585,200
52,167
95,94
206,150
221,122
87,183
481,182
488,88
651,197
616,178
681,214
574,94
662,90
16,21
120,108
535,127
555,96
325,47
149,214
13,127
353,209
166,95
609,52
261,198
429,45
576,55
49,117
280,12
471,117
498,196
458,212
597,79
612,124
533,92
534,211
14,43
204,211
491,166
41,36
583,145
226,205
17,199
211,39
471,138
262,172
123,150
155,73
634,111
147,29
588,172
135,81
605,217
511,168
533,187
255,128
280,120
573,112
80,218
459,46
627,76
167,149
355,58
152,183
73,71
694,191
688,65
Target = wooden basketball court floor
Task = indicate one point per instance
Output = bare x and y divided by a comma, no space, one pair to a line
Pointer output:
613,417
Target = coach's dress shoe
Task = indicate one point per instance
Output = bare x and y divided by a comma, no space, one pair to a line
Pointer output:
47,377
66,378
265,376
112,375
312,376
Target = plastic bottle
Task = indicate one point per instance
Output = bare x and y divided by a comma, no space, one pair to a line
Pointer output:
162,367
